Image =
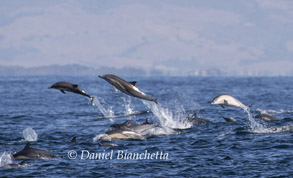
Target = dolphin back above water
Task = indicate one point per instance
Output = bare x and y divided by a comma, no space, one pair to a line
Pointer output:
127,130
128,88
19,165
196,120
138,128
66,86
33,153
228,100
266,117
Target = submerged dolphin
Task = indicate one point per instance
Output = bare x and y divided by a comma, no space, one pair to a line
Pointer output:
33,153
126,87
66,86
19,165
266,117
228,100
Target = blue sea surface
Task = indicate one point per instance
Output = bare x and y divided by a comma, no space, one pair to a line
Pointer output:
220,149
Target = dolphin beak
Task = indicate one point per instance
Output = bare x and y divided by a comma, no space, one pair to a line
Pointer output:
102,77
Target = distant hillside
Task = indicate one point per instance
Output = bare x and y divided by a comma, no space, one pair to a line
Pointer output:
73,69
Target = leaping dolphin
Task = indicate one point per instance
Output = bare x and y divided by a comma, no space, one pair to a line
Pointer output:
128,88
66,86
228,100
33,153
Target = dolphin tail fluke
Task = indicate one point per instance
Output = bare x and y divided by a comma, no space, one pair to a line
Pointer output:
92,99
156,101
73,140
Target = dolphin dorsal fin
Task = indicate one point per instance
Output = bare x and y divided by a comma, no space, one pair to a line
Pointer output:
146,121
62,91
132,83
27,146
73,140
128,122
194,115
74,85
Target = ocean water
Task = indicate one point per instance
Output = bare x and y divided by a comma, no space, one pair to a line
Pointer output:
245,148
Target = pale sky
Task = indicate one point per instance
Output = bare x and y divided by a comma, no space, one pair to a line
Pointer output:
230,35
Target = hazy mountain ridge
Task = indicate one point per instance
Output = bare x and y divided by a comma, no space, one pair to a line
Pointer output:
72,69
76,69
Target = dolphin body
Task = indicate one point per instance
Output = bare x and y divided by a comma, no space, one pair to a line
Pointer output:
127,130
33,153
196,120
228,100
19,165
121,134
138,128
66,86
128,88
266,117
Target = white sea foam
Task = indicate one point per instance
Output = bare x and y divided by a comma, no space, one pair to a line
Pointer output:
286,128
273,111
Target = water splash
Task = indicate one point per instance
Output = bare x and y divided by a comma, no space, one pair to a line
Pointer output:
30,135
5,158
254,125
127,105
166,118
262,128
106,112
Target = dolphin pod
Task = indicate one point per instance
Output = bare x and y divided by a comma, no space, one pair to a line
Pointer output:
66,86
33,153
128,88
